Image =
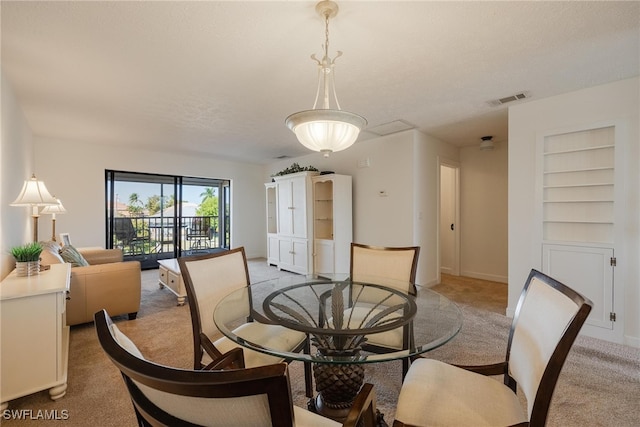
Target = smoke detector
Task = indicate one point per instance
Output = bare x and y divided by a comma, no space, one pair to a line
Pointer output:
487,143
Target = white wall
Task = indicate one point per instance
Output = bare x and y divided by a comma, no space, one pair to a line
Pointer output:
76,172
483,212
585,108
404,166
16,166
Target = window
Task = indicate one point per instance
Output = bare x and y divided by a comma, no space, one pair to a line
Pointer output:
151,216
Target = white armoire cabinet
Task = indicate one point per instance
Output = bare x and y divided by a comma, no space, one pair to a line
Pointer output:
309,221
293,222
332,223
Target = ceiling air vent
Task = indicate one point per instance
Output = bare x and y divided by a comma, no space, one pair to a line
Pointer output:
284,156
507,99
391,127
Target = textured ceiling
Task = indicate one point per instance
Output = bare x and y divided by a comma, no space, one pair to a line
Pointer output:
219,78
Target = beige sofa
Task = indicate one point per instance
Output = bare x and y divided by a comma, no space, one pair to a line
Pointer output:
106,283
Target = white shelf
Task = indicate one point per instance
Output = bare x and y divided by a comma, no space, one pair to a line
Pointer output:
579,150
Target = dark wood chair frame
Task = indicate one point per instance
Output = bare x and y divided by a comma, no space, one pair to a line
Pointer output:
550,376
407,330
124,231
200,233
270,380
202,343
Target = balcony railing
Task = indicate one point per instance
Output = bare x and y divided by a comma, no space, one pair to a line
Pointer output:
157,235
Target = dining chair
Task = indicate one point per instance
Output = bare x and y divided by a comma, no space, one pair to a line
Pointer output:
127,236
259,396
207,279
199,233
547,320
393,267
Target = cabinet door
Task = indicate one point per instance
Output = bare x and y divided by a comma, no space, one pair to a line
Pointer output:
285,208
589,271
324,260
31,345
299,205
285,253
272,249
300,252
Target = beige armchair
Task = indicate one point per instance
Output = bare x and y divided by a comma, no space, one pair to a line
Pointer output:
106,283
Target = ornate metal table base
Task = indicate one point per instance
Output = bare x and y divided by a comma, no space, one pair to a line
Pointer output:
337,386
315,405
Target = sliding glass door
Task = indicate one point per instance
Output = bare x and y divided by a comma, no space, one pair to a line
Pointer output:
152,217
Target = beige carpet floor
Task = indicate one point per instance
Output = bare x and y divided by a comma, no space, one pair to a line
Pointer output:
599,385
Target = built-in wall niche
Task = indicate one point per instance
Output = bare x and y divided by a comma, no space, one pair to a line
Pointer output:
578,186
323,210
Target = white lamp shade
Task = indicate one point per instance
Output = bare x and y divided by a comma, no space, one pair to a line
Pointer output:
54,209
326,131
34,193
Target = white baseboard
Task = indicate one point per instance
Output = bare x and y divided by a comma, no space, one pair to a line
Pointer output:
482,276
429,284
632,341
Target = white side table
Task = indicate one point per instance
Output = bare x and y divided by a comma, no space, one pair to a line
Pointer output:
170,277
34,334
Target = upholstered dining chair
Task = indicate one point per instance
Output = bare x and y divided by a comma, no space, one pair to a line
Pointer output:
207,279
388,266
547,320
261,396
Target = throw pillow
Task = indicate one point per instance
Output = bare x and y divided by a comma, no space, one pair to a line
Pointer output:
71,255
50,253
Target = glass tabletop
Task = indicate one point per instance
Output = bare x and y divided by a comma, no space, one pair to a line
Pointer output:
324,307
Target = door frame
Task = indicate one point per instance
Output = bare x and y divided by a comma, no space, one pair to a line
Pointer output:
452,164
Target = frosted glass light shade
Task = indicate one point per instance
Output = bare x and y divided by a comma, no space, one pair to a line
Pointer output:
326,130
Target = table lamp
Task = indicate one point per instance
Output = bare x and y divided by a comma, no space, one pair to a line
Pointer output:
34,193
53,210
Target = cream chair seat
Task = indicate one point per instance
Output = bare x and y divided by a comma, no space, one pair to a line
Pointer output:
547,320
210,277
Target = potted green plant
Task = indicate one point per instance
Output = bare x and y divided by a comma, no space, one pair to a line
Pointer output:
27,258
295,168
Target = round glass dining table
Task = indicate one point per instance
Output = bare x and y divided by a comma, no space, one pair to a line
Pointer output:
339,316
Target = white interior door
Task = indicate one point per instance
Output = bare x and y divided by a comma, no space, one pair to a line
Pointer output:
449,220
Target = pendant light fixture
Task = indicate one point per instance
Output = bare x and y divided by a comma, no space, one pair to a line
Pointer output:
326,129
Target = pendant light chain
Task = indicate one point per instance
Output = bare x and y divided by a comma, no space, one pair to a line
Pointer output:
326,35
325,129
